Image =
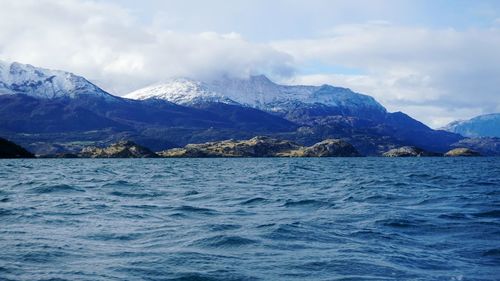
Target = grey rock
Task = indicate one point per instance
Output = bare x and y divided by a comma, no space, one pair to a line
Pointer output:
408,151
462,151
122,149
262,147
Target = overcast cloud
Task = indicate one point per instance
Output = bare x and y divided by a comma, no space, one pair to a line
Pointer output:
435,71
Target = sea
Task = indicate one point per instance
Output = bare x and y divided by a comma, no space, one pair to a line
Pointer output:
250,219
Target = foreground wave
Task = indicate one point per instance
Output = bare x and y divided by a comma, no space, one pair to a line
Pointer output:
250,219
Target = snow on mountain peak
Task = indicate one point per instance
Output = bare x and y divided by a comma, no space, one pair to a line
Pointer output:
255,91
17,78
180,91
487,125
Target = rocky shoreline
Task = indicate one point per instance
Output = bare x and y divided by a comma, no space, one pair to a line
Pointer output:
263,147
259,146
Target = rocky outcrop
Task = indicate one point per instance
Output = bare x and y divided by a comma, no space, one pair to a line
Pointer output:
408,151
255,147
485,146
9,149
326,148
262,147
461,152
122,149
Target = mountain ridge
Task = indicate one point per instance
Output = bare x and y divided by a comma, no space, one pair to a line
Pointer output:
487,125
255,91
44,83
78,113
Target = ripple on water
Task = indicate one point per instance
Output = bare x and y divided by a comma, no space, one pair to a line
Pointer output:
223,241
306,203
402,223
253,201
250,219
492,252
57,188
119,184
195,210
6,212
488,214
138,194
223,227
110,236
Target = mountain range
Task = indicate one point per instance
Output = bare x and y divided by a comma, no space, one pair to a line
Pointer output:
51,111
481,126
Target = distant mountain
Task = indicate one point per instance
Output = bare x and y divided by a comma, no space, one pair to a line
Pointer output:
321,111
258,92
483,145
52,111
480,126
181,91
16,78
49,111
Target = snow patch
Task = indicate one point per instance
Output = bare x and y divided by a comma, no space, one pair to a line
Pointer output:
17,78
256,91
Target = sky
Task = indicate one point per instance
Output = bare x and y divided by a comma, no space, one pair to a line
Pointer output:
437,61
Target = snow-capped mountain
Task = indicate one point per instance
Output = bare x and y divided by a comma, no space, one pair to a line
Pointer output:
256,91
17,78
180,91
481,126
38,104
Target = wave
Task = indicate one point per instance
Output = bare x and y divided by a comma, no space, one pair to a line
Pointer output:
195,210
488,214
250,219
57,188
254,200
223,241
306,203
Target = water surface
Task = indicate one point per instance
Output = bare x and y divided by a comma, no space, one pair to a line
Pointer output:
250,219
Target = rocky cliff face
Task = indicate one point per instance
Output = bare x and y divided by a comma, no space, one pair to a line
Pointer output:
263,147
408,151
122,149
461,152
9,149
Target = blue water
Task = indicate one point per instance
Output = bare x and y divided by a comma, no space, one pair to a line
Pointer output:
250,219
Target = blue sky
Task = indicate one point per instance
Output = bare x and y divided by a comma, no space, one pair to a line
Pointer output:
436,60
262,20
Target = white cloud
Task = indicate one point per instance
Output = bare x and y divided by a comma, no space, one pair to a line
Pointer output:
436,75
411,69
104,43
434,115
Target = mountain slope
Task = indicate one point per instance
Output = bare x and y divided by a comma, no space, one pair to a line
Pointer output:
257,92
43,83
9,149
323,111
180,91
480,126
51,111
